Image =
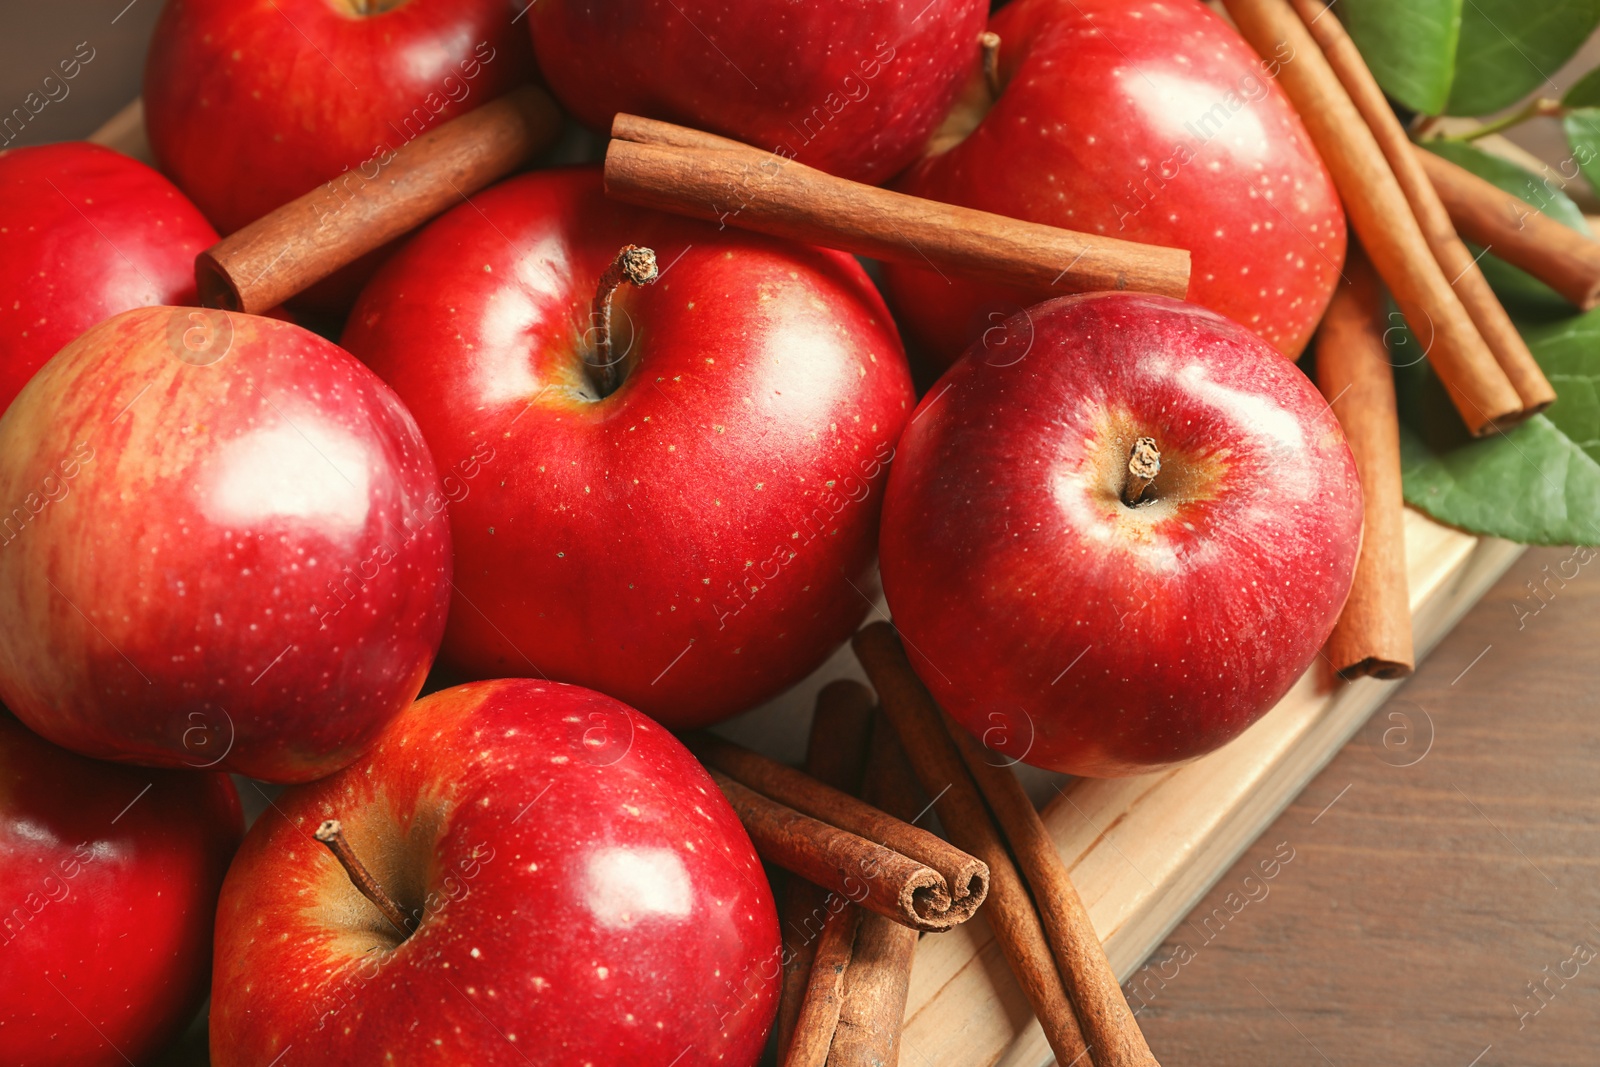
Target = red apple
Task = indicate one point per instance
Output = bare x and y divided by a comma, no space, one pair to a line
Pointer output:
853,88
572,888
223,545
1068,629
87,233
693,542
251,103
1148,120
108,880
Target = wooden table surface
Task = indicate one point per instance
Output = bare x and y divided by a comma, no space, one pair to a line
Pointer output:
1431,897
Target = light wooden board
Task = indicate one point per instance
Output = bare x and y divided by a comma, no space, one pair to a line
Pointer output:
1142,850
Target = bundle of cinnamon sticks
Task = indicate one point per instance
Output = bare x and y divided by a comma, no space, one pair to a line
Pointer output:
1409,209
848,959
1398,216
1039,921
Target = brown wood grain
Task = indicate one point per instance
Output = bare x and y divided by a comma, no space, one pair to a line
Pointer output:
1421,900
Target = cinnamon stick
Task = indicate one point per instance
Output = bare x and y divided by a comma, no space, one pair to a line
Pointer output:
1457,262
939,767
1373,634
836,754
824,995
1517,232
1103,1014
641,130
1381,216
707,177
863,872
963,879
879,978
396,190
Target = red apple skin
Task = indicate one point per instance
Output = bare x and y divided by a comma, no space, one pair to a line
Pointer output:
852,88
252,103
86,232
224,545
580,892
699,539
109,878
1070,631
1102,128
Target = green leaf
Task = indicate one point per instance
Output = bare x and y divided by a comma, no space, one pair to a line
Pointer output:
1410,46
1538,483
1509,48
1583,135
1586,93
1532,485
1520,291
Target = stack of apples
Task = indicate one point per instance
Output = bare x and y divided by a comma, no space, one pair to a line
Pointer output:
230,545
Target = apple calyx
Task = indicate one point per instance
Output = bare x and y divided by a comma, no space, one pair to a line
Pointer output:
1144,463
331,833
632,264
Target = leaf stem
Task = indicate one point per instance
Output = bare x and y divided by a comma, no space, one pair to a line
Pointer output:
1538,108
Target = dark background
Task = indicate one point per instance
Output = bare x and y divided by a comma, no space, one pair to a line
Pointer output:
35,35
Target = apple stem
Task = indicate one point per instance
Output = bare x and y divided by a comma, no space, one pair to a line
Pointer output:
331,833
632,264
1144,463
989,41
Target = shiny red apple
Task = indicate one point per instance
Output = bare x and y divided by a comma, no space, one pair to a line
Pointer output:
698,539
109,879
853,88
1067,628
571,888
223,545
251,103
1148,120
85,233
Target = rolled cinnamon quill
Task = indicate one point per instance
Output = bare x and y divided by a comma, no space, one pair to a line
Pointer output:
964,879
939,767
1487,314
286,252
878,980
1382,216
1373,634
1517,232
841,731
824,995
864,873
691,173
